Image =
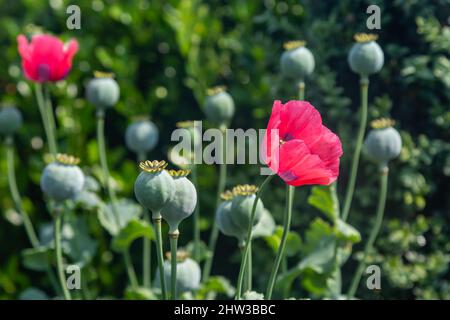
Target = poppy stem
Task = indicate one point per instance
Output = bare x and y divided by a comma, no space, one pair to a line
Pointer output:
173,264
130,269
281,249
373,234
249,238
301,90
45,119
364,86
215,229
159,253
58,251
196,220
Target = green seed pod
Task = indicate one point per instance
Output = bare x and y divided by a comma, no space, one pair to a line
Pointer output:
10,120
383,143
297,62
266,225
141,136
102,91
183,202
188,273
242,204
366,56
219,106
62,179
154,186
224,218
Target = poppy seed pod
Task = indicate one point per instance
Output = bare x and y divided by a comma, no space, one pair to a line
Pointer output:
219,106
154,186
141,136
224,219
383,143
102,91
242,204
366,56
62,179
297,61
10,120
188,273
183,202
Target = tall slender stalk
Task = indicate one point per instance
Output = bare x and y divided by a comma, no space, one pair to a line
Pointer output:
301,90
373,234
159,253
215,229
249,268
50,116
249,238
48,127
58,251
196,228
173,264
286,226
130,270
146,247
364,87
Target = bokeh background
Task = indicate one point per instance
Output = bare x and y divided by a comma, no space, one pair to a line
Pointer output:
165,54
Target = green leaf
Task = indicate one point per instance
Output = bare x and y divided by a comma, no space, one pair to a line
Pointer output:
214,286
293,242
346,232
321,198
33,294
139,294
76,241
204,252
127,210
133,230
37,259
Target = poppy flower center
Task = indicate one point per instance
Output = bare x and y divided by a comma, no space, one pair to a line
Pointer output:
43,71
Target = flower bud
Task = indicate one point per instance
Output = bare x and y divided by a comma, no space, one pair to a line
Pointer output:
10,120
297,61
141,136
366,56
183,202
383,143
188,273
219,106
102,91
62,179
154,186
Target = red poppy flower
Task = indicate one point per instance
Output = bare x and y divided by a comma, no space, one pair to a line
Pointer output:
298,147
46,58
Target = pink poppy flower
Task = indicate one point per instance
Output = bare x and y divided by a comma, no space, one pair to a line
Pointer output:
298,147
46,58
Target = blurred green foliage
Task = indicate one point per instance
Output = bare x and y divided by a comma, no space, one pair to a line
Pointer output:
165,55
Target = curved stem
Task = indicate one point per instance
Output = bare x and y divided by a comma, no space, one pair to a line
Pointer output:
301,90
249,268
364,86
286,226
373,234
130,269
159,253
104,163
173,265
249,237
215,229
15,193
196,219
43,111
58,250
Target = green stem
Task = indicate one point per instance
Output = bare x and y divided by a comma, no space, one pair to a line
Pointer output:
249,268
173,264
50,117
196,217
159,253
373,234
364,87
281,249
15,193
58,250
336,210
249,238
301,90
130,269
45,119
215,230
104,163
